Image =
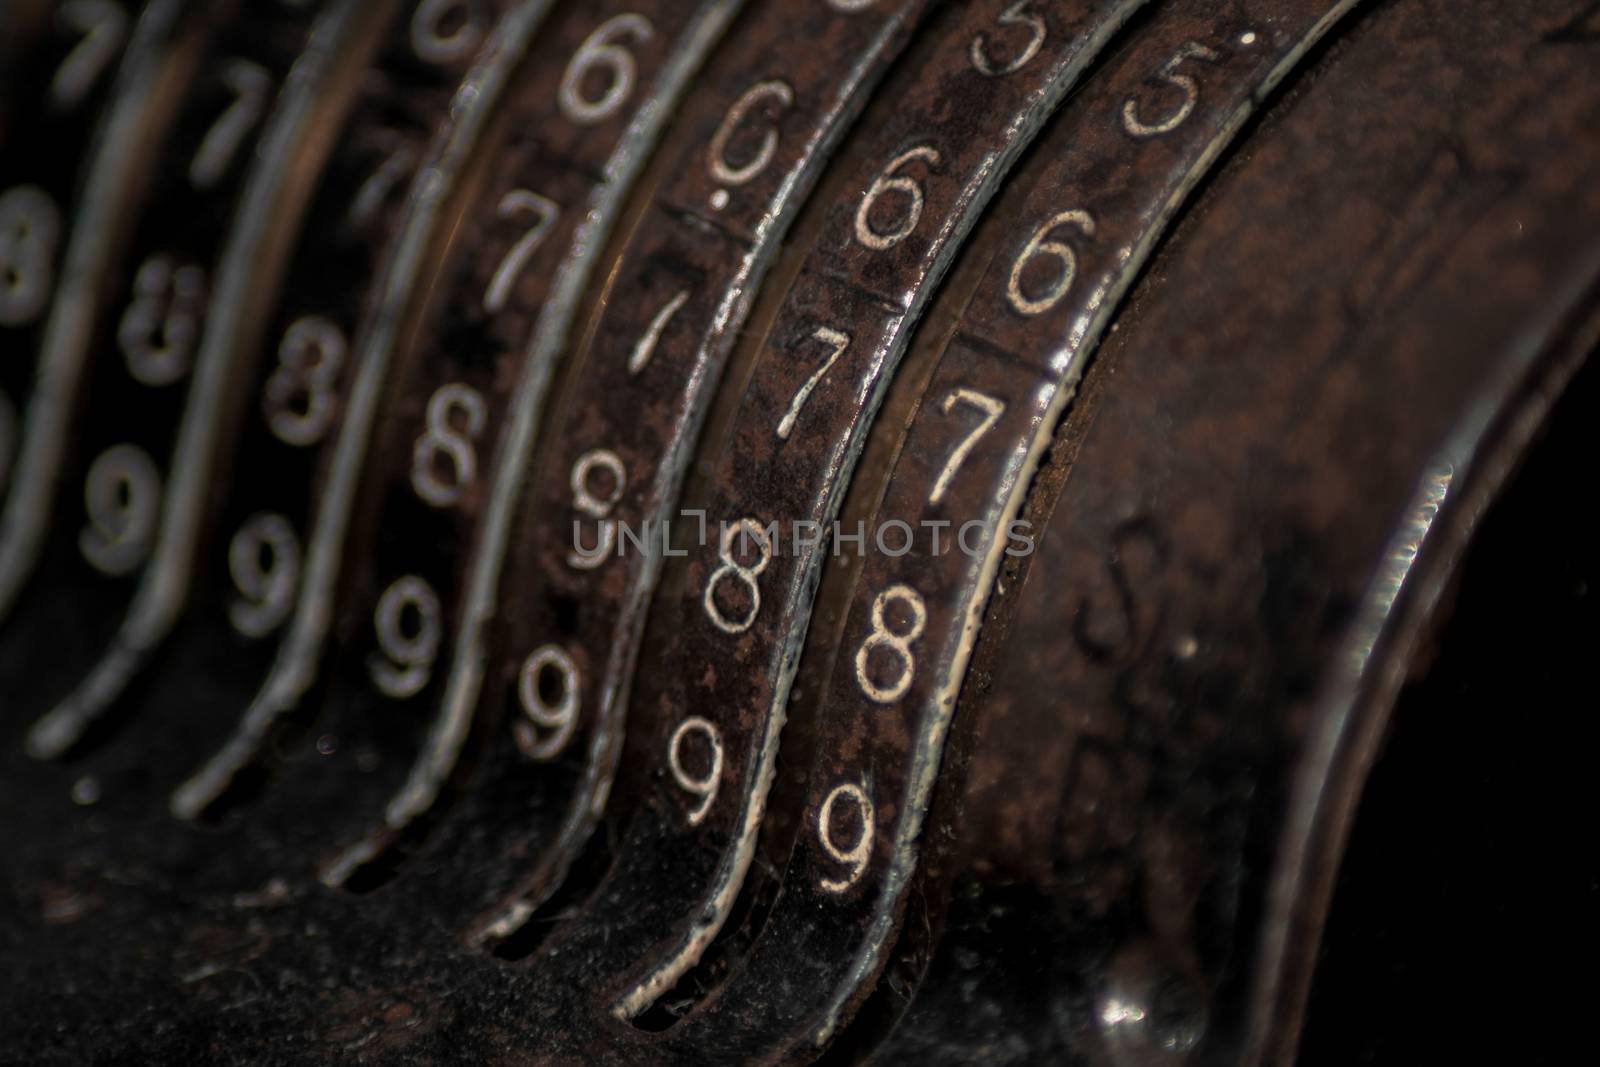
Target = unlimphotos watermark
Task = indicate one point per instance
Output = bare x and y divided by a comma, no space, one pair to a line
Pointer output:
595,541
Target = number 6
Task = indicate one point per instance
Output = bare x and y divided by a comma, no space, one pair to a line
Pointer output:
879,240
1038,246
598,52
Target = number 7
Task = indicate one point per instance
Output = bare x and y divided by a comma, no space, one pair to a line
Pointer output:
992,410
838,342
519,200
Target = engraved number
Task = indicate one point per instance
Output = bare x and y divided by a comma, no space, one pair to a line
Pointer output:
546,212
600,52
450,404
299,397
856,856
103,26
30,226
550,689
888,181
1036,247
897,644
738,174
738,572
264,560
992,410
639,358
837,341
1184,83
443,31
122,494
250,85
596,506
158,330
407,621
1011,16
705,786
375,191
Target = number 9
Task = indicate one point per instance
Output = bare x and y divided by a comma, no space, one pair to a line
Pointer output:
408,657
550,689
704,787
857,855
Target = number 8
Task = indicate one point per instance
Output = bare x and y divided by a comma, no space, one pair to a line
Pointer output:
900,644
745,575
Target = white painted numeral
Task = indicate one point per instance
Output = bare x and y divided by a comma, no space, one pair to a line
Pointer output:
1036,247
456,418
103,26
251,85
514,203
742,531
1011,16
639,358
705,786
1184,83
597,505
889,181
409,625
159,329
299,397
122,495
837,341
375,191
551,690
992,410
443,31
264,560
897,644
30,227
856,856
601,55
731,174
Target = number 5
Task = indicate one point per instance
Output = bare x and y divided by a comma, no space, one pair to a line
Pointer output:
1184,83
1011,16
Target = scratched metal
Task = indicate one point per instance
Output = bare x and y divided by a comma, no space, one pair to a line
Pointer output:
1260,465
138,355
722,707
1120,161
639,389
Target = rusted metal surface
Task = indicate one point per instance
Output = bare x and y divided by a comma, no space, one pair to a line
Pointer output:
1248,312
